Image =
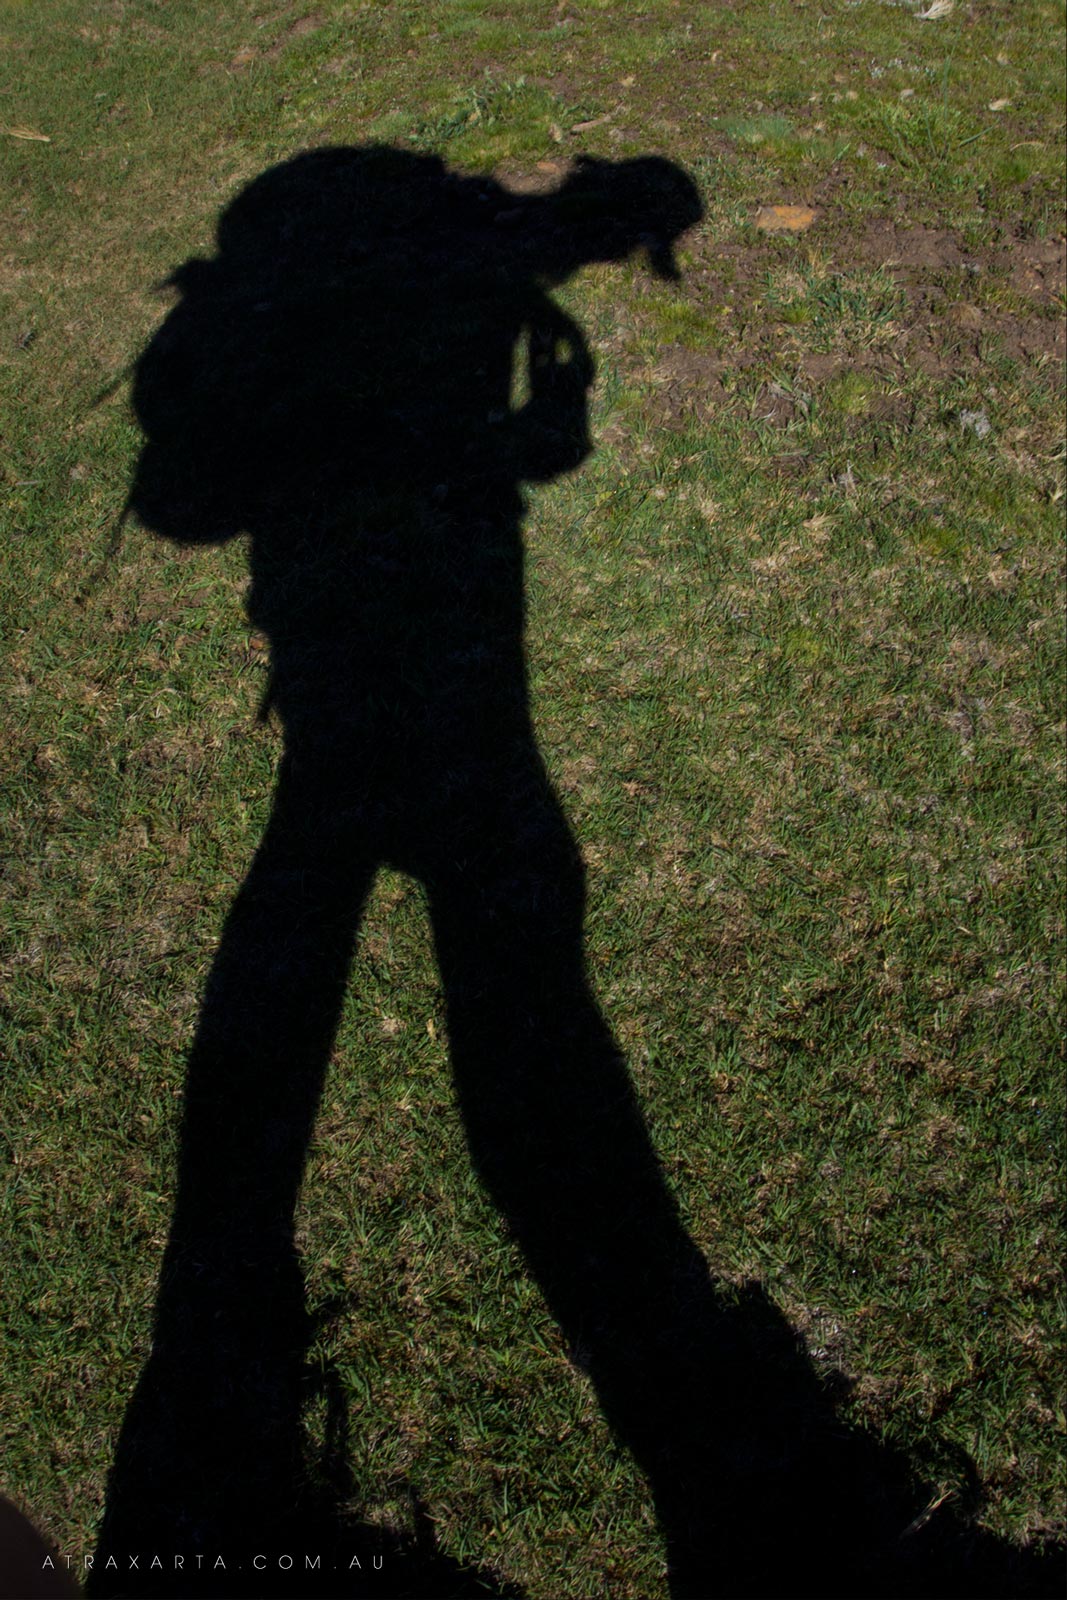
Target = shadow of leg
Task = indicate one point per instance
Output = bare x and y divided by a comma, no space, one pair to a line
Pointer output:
210,1451
758,1489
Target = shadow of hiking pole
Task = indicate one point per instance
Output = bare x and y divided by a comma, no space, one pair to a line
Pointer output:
336,383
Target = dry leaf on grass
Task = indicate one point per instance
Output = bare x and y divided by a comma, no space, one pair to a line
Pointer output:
940,8
784,219
28,133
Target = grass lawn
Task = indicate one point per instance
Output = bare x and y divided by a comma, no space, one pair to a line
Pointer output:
794,650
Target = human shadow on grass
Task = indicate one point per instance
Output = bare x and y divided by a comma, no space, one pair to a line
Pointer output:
337,382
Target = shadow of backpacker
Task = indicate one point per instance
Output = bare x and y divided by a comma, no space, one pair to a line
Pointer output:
337,383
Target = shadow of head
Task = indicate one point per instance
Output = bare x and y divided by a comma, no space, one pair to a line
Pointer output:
329,206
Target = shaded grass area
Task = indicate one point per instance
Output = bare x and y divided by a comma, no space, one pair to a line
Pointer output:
796,671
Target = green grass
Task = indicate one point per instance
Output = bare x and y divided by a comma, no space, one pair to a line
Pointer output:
795,647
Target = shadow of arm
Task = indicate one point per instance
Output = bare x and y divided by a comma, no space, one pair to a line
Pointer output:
551,431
